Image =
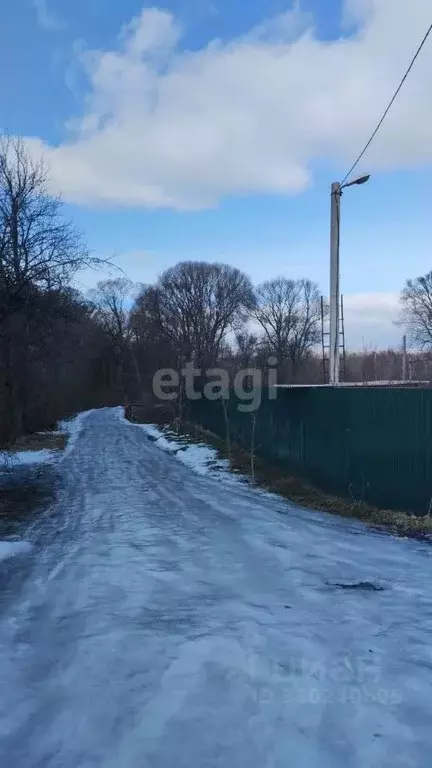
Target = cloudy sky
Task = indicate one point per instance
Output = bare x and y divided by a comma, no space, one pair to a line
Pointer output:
212,129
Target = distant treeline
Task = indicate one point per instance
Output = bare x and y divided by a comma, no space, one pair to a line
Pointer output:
61,351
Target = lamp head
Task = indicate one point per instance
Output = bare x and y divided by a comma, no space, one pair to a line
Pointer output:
361,180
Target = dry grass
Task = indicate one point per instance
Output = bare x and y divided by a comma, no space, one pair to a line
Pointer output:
19,500
39,441
304,494
269,476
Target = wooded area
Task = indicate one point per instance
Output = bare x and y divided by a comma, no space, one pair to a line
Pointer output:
61,351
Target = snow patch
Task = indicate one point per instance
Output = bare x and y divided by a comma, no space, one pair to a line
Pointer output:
159,438
13,460
11,548
24,458
202,459
72,427
51,432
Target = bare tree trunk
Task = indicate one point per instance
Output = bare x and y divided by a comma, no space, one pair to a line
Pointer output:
12,360
227,429
137,371
180,403
252,454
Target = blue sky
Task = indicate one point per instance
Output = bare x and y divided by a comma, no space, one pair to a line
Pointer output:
212,129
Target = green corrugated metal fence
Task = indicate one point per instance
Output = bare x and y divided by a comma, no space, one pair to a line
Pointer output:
370,444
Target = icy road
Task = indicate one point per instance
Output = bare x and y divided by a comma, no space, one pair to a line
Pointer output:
167,618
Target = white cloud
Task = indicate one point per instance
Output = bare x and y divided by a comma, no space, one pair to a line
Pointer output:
46,17
370,321
152,32
181,129
281,29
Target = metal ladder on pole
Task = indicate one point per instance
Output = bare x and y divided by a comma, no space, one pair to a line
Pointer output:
325,340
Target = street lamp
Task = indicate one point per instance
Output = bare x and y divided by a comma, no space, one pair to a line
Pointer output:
360,180
336,193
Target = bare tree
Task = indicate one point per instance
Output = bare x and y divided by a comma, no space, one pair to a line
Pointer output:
288,311
39,253
37,246
52,362
247,345
110,299
144,319
197,304
306,331
416,312
276,313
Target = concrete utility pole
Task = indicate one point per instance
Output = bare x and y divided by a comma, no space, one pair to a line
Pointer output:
334,283
336,193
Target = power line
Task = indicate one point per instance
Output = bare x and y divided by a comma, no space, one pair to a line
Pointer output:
390,105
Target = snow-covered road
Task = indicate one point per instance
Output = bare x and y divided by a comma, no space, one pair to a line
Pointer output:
167,619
